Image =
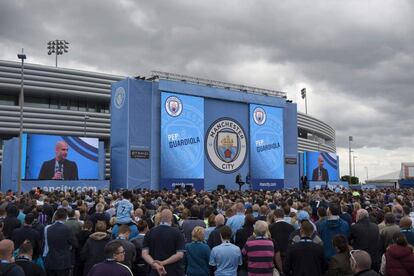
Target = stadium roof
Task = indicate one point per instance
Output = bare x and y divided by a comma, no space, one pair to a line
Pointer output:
392,176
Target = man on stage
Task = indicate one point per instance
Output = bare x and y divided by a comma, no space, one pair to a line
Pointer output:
59,168
320,173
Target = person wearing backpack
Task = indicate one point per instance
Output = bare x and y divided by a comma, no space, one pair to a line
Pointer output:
140,267
7,267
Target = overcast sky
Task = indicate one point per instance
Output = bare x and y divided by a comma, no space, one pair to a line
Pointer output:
356,58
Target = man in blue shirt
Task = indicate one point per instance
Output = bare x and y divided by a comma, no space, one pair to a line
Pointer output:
236,222
225,257
124,209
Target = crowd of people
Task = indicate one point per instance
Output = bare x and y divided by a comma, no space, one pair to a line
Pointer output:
143,232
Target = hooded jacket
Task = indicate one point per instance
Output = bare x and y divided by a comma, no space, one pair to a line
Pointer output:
399,260
93,250
328,229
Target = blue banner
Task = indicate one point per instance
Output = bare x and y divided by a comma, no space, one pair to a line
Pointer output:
266,147
322,166
182,141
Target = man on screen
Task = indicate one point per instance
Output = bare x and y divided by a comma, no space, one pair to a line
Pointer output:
320,173
59,168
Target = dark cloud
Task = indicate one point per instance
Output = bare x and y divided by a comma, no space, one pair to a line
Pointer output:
355,57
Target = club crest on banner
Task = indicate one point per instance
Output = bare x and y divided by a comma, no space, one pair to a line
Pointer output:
259,116
173,106
119,97
226,145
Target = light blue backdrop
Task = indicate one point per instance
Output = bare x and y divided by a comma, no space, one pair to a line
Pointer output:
266,147
182,140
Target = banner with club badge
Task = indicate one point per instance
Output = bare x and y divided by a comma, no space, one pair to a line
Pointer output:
182,141
266,147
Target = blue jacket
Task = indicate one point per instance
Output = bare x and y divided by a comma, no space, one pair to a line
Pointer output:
328,229
197,255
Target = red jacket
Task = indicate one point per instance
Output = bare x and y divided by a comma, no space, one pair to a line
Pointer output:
399,260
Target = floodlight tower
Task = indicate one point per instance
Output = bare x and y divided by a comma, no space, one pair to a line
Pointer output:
57,47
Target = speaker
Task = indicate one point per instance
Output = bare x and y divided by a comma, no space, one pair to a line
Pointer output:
189,188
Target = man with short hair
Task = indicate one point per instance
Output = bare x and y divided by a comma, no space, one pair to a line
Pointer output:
387,233
364,235
24,260
59,240
407,230
10,222
260,251
190,223
226,257
99,215
130,251
140,267
26,232
295,236
320,173
115,255
331,227
6,256
59,168
263,211
236,222
73,222
305,257
360,261
163,247
214,238
280,231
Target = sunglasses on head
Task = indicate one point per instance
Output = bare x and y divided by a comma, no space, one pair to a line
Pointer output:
351,254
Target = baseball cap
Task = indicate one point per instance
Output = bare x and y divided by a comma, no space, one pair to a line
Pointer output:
303,215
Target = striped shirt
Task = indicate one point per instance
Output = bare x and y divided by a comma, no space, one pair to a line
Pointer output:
259,253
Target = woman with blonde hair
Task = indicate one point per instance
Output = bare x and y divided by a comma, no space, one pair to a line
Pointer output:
197,254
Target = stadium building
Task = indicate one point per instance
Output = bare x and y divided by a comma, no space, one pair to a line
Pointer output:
74,102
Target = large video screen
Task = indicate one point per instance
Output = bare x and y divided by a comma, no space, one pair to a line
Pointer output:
52,157
322,166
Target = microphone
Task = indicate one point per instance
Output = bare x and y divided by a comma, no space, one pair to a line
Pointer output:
60,169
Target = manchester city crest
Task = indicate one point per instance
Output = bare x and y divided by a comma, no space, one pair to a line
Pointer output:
226,145
119,97
259,116
173,106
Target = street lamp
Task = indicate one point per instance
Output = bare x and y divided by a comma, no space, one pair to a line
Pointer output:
57,47
353,159
350,161
22,57
84,126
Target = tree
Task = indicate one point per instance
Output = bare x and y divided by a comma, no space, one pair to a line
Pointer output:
354,180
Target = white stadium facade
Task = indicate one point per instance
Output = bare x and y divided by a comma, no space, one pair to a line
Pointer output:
77,103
